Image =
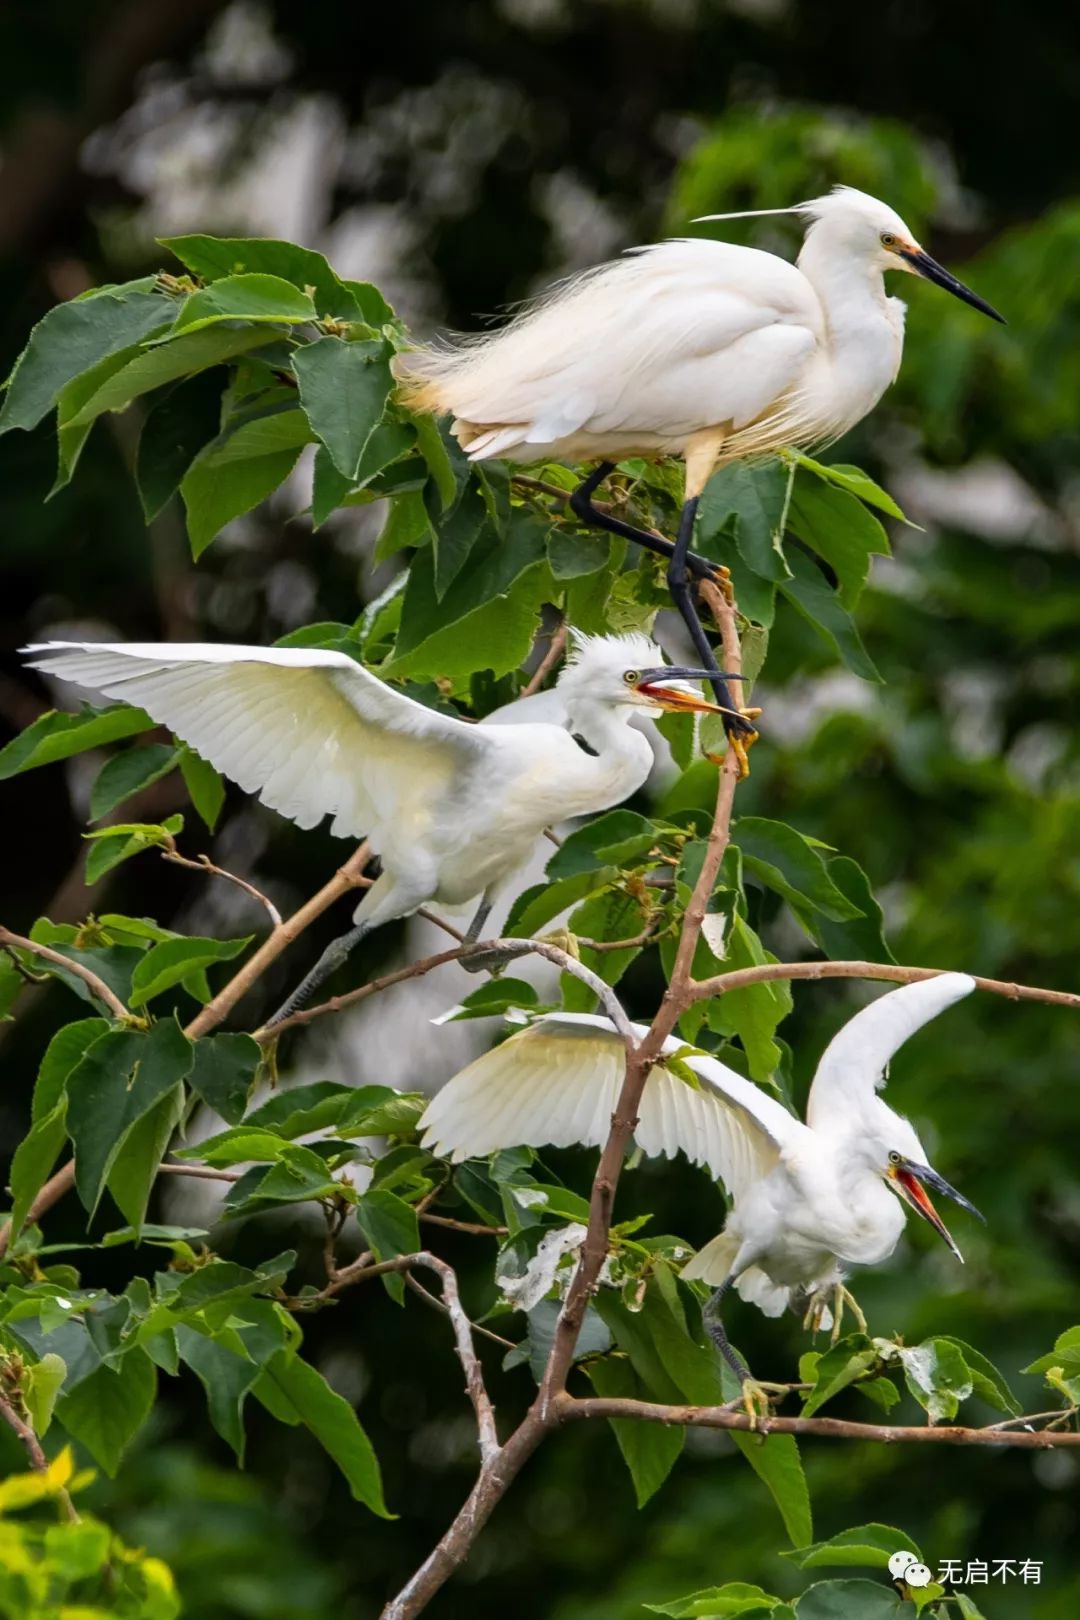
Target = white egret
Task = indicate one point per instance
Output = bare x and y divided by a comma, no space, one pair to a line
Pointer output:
807,1201
452,809
699,349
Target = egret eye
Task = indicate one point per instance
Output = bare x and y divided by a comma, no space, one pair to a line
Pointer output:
632,677
894,1157
888,240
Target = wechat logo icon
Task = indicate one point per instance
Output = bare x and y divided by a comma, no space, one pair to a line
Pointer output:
904,1566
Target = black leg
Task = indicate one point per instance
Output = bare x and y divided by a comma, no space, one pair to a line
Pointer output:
681,594
482,959
331,959
581,505
710,1316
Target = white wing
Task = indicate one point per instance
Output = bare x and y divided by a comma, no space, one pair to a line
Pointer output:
853,1064
557,1082
309,730
665,339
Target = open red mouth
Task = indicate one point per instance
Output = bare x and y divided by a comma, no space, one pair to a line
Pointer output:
915,1194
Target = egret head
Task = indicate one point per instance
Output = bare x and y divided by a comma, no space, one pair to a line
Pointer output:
847,221
900,1158
629,672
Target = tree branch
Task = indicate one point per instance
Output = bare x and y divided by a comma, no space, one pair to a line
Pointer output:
58,959
32,1446
546,664
545,1413
702,989
723,1417
203,863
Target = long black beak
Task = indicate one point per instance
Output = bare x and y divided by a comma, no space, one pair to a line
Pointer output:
937,273
910,1180
672,672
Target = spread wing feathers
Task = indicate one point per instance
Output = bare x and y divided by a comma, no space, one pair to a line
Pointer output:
703,332
309,730
853,1065
556,1083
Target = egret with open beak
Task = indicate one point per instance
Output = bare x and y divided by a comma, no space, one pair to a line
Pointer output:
452,809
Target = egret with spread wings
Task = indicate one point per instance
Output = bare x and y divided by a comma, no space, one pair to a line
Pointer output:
452,809
699,349
807,1200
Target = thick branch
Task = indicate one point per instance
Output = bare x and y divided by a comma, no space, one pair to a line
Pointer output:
703,989
57,959
724,1417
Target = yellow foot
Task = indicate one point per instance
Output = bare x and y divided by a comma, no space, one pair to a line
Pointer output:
721,578
843,1300
755,1399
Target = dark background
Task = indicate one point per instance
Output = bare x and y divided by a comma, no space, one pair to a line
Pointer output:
460,155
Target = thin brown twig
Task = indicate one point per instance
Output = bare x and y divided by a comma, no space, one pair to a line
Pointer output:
474,1227
724,1417
100,989
203,863
32,1446
202,1172
546,664
702,989
436,1304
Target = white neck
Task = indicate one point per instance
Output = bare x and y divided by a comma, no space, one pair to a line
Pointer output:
604,726
851,290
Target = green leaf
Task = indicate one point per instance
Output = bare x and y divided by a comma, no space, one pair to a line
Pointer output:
754,1012
494,603
252,297
717,1602
809,593
435,450
57,735
789,863
840,1366
294,1387
164,363
750,499
649,1450
204,784
61,1055
224,1071
613,839
343,390
176,427
120,1078
34,1159
840,529
868,1545
495,998
75,336
852,1600
391,1228
108,1407
861,938
937,1375
40,1386
113,964
175,960
226,1376
214,257
135,1168
214,495
128,772
1065,1354
71,436
539,904
987,1382
856,481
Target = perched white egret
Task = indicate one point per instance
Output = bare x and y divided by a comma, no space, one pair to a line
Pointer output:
807,1201
698,349
452,809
